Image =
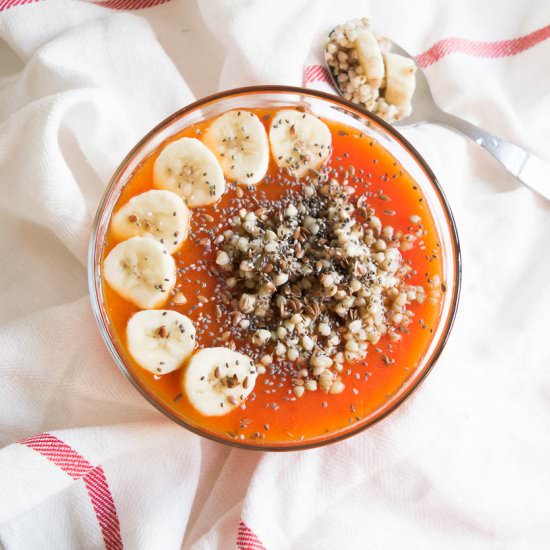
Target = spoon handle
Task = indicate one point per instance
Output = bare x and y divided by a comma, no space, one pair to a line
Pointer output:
527,168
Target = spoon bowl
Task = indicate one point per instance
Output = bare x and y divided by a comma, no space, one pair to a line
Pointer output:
522,165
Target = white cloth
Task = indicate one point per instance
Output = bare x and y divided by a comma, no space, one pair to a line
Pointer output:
463,464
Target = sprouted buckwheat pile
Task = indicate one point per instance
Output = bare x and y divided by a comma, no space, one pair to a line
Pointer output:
313,280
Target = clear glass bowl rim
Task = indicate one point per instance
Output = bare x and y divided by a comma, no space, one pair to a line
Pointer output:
93,260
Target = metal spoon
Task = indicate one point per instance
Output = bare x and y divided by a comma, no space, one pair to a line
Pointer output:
525,167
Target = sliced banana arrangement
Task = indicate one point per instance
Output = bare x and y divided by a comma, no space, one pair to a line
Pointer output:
141,271
239,140
187,167
217,380
159,214
299,141
160,340
191,173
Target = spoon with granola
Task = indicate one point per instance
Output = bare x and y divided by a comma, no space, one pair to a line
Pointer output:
382,77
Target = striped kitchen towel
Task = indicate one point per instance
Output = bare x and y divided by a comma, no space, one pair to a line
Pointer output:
87,463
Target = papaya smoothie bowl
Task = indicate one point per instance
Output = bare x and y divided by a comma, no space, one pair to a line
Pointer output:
274,268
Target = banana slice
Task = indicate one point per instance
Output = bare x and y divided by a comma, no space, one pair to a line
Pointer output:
158,214
191,170
400,80
160,340
239,140
370,57
217,380
299,141
141,270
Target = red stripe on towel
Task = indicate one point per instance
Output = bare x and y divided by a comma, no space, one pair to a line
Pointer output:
501,48
77,467
316,73
129,4
111,4
247,539
6,4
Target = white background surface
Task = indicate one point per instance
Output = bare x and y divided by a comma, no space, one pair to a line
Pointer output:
463,464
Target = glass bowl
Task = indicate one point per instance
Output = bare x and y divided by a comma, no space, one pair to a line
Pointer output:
329,107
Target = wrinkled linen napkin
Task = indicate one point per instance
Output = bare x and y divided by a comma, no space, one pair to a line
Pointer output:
87,463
